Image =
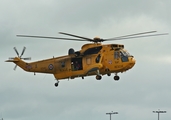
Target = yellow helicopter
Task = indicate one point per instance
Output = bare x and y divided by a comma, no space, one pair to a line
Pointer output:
93,59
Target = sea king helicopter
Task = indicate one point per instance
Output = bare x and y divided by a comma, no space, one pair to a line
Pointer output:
94,58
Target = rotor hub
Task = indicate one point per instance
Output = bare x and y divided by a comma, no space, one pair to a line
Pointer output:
97,39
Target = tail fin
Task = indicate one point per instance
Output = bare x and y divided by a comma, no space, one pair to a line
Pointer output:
18,62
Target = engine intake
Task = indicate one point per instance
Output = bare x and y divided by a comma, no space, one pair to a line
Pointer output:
71,51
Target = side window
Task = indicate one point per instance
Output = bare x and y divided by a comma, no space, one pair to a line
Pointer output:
98,58
62,64
88,61
116,55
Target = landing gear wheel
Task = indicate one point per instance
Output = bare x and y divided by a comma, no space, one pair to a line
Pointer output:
98,77
116,78
56,84
109,74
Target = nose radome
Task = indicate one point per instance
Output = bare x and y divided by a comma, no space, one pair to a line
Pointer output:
132,61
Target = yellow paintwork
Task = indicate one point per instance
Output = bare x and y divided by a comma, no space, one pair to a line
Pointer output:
63,67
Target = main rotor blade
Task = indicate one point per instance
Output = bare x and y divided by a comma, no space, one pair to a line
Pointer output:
132,35
136,37
24,48
85,38
50,37
16,51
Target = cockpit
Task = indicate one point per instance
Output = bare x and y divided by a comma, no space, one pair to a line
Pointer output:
123,54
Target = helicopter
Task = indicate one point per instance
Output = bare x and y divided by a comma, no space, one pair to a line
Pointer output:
94,58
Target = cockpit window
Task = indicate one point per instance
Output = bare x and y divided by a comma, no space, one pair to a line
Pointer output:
124,56
128,53
125,53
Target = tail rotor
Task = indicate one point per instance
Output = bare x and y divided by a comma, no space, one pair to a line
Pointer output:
19,56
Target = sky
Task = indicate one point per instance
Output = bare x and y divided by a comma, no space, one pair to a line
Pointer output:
140,91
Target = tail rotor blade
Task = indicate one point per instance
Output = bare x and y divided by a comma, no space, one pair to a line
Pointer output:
11,58
15,67
24,48
16,51
29,58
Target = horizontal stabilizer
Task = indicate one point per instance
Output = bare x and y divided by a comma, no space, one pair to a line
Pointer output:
14,60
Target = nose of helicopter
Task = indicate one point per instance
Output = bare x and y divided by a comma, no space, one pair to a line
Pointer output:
131,62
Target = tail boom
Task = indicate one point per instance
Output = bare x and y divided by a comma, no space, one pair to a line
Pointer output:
39,66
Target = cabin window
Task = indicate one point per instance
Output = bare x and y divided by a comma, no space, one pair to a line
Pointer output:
62,64
94,50
88,61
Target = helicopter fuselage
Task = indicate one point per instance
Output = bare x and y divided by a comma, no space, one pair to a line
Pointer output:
92,59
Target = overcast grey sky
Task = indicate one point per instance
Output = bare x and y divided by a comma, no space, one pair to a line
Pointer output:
141,90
